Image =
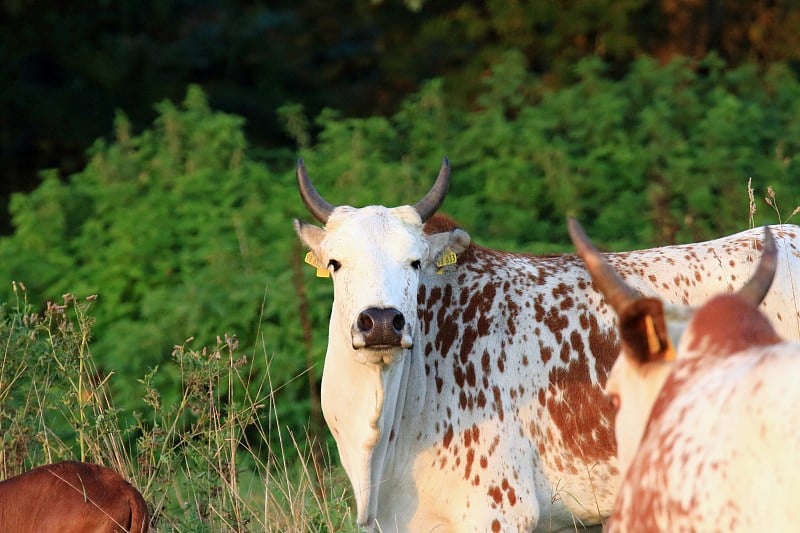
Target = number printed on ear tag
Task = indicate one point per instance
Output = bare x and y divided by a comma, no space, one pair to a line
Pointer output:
448,257
322,272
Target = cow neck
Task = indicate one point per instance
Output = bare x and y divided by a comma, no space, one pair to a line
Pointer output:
362,417
394,384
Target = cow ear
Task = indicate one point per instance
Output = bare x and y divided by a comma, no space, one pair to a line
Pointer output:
643,331
445,247
310,234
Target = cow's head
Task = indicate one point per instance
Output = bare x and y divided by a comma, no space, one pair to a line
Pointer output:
376,256
649,330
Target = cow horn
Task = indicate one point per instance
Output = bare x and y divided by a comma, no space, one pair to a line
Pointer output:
315,203
607,281
756,288
435,197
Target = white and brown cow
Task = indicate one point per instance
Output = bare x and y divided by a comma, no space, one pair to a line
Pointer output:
709,439
469,396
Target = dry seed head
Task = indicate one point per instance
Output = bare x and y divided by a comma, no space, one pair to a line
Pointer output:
232,341
55,308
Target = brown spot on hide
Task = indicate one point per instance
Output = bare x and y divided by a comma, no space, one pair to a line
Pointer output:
483,325
471,379
448,436
486,363
545,351
481,400
566,352
556,322
467,343
604,347
470,459
579,411
496,494
498,402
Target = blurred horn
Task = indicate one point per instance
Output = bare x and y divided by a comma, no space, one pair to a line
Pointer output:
756,288
607,281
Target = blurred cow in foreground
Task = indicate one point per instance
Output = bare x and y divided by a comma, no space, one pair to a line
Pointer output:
709,435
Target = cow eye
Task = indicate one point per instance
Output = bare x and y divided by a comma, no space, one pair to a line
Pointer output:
334,265
416,264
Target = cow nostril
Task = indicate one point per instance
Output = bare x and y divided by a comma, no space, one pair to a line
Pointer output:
398,322
365,322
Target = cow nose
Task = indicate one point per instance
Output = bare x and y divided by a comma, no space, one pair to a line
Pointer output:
380,327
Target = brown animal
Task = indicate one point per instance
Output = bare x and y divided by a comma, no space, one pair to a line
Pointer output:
71,497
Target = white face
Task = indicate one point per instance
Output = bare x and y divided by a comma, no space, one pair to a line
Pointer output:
633,388
375,256
633,385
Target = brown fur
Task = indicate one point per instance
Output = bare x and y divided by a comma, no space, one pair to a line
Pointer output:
71,497
440,223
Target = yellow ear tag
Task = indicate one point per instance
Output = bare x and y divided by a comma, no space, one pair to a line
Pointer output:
322,272
670,355
653,344
448,257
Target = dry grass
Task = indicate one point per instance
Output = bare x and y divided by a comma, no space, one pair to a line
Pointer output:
203,462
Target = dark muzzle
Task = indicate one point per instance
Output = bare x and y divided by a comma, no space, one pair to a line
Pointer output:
379,328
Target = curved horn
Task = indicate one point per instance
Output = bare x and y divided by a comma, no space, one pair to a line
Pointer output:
315,203
616,292
435,197
756,288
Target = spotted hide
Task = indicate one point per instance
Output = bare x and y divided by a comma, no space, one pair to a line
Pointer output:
464,386
708,438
